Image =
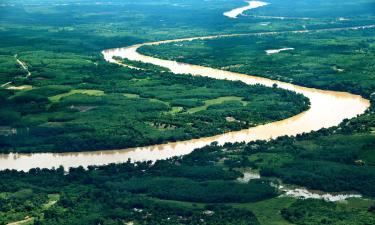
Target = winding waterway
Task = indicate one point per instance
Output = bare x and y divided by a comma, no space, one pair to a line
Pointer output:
234,13
328,108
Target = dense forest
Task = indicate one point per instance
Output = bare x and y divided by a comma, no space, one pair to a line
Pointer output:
58,94
93,105
203,186
344,63
73,100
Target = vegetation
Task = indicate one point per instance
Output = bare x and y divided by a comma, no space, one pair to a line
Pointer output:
95,112
318,212
342,63
74,101
184,188
123,193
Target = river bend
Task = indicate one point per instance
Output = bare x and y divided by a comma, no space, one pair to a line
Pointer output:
328,108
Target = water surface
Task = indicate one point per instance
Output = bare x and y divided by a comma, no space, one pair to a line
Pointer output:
234,13
328,108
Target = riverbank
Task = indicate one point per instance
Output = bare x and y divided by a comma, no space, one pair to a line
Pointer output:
327,109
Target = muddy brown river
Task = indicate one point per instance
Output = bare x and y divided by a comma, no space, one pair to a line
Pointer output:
328,108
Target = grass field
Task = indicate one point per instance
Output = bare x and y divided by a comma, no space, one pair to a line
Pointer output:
57,98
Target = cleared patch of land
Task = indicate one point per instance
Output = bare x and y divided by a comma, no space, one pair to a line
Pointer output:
57,98
217,101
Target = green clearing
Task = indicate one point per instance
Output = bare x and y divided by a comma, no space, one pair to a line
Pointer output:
52,200
217,101
175,110
268,212
57,98
128,95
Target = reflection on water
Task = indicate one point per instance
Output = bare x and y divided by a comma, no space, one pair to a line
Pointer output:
328,108
238,11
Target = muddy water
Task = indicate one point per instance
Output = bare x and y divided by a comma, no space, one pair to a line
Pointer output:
328,108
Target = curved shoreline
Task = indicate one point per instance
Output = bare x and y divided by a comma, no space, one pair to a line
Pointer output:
328,108
234,13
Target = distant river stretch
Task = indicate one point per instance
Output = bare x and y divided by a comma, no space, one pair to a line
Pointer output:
234,13
328,108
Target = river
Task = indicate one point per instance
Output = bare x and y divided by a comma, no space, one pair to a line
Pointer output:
234,13
328,108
